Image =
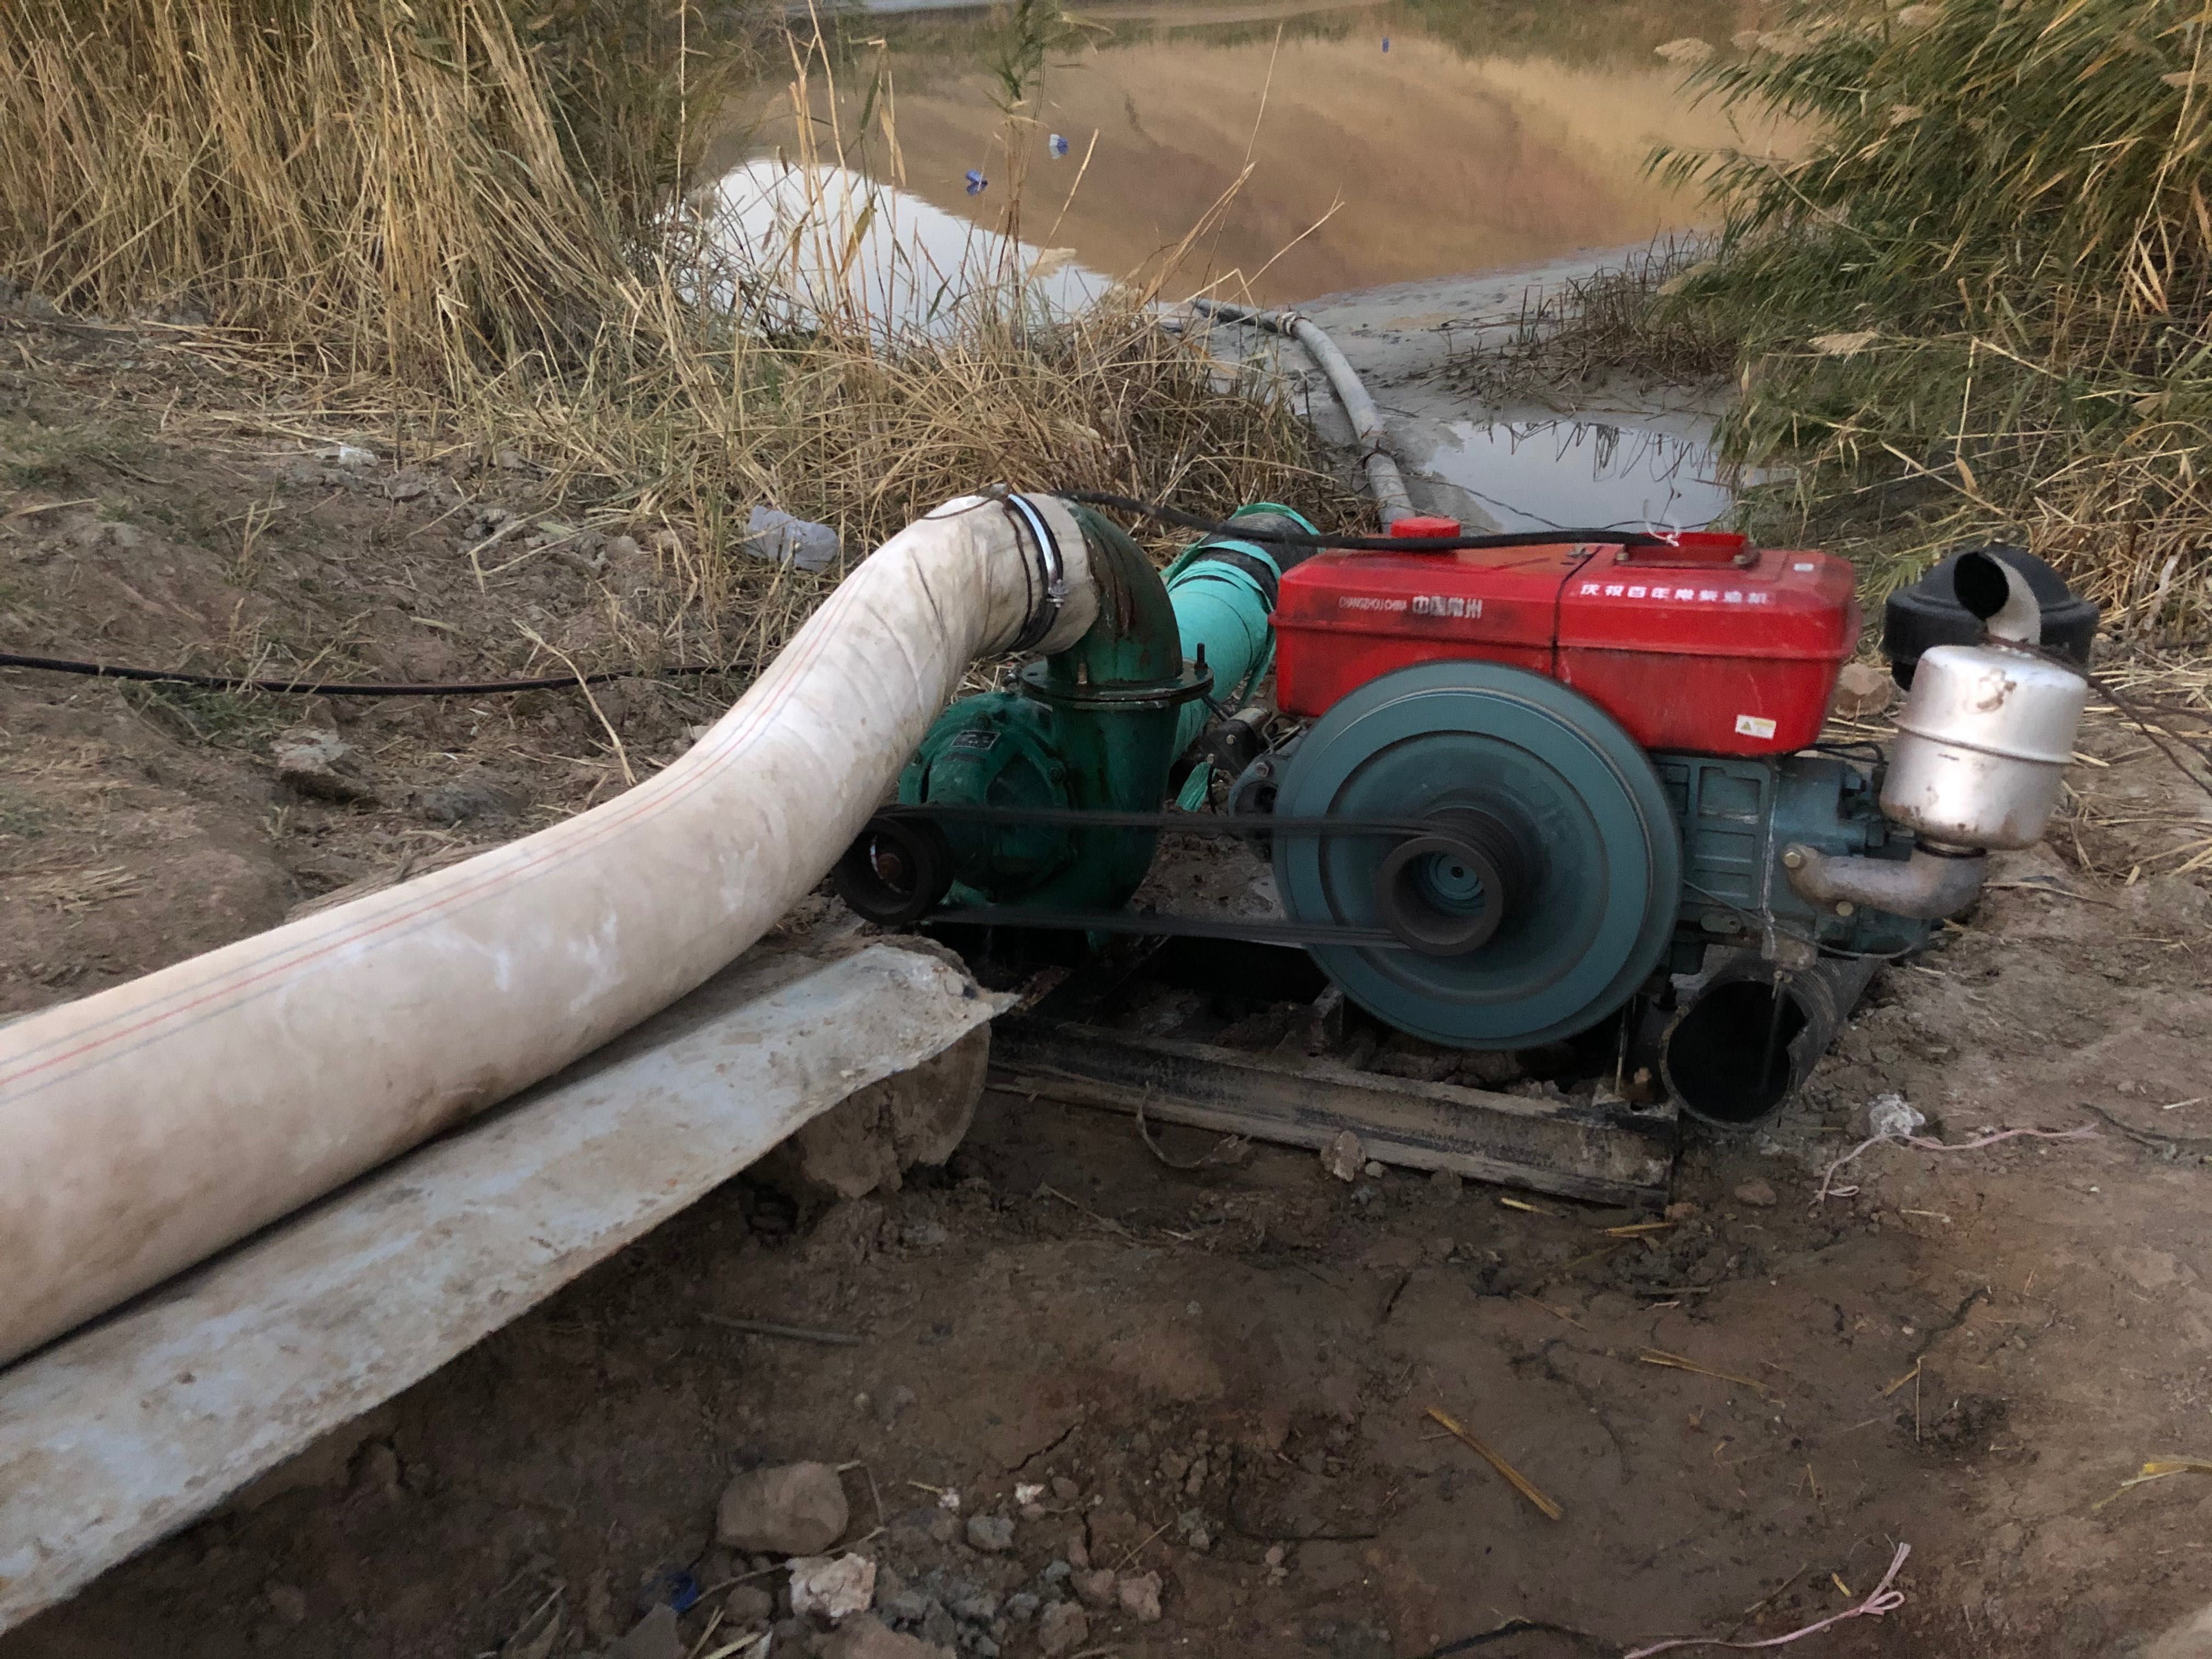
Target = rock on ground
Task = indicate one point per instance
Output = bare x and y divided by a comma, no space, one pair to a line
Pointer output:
992,1534
1062,1628
797,1509
653,1637
1863,688
832,1586
748,1604
1343,1156
315,762
868,1142
1139,1594
466,801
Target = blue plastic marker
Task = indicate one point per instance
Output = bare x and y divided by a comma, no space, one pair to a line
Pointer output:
1058,146
976,183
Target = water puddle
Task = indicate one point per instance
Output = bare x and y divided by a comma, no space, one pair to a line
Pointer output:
1586,473
1315,147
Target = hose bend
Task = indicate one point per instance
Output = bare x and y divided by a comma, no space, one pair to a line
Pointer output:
1934,883
1384,478
148,1126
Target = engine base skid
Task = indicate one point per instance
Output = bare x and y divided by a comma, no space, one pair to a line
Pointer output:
1250,1039
1606,1155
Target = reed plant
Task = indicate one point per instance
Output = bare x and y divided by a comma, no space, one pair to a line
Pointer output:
1978,302
486,218
412,186
1590,329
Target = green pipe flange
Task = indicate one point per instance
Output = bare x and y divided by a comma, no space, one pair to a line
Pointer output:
1038,680
1596,904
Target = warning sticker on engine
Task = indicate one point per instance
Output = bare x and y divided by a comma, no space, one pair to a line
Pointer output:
1752,725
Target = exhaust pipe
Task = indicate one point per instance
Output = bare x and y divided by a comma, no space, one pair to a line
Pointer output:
147,1127
1747,1040
1936,882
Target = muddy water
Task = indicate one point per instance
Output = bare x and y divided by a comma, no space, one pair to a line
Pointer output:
1313,149
1657,472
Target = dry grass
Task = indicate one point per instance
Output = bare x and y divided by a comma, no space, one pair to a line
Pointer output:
1582,332
2150,701
469,228
404,188
866,440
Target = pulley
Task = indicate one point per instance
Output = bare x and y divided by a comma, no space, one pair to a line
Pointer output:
1542,888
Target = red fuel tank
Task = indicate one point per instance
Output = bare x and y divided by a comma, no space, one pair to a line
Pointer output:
1707,643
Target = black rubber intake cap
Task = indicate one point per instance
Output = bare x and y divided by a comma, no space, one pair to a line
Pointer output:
1286,554
1933,610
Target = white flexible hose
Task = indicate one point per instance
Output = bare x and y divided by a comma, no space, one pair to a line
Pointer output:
147,1127
1384,480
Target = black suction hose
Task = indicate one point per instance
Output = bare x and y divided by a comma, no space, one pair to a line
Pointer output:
1746,1041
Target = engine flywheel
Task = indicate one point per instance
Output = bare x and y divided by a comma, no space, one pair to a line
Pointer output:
1546,888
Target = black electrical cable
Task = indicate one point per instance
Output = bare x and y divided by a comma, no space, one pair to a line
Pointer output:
349,687
557,681
1859,750
1252,532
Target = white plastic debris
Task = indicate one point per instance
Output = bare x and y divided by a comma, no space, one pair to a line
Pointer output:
782,539
347,455
1888,1118
1025,1493
831,1585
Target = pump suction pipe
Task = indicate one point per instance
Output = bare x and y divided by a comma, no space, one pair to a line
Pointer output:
147,1127
1383,477
1751,1036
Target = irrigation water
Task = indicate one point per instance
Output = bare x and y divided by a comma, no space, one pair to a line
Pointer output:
1327,147
1317,148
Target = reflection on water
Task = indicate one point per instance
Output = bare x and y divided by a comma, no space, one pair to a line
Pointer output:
1322,147
844,247
1586,474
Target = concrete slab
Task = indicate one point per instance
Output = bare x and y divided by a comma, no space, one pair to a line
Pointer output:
127,1430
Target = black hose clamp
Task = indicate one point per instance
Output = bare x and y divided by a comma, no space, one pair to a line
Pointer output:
1052,573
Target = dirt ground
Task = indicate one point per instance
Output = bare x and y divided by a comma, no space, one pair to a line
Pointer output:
1221,1376
167,503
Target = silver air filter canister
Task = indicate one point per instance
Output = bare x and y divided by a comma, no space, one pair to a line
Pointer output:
1982,741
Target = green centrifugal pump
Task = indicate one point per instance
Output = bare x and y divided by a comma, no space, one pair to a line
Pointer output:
1100,726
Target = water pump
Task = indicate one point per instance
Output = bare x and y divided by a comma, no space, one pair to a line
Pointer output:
1097,729
1526,787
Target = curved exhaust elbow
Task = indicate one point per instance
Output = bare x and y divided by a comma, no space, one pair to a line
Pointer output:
1931,885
